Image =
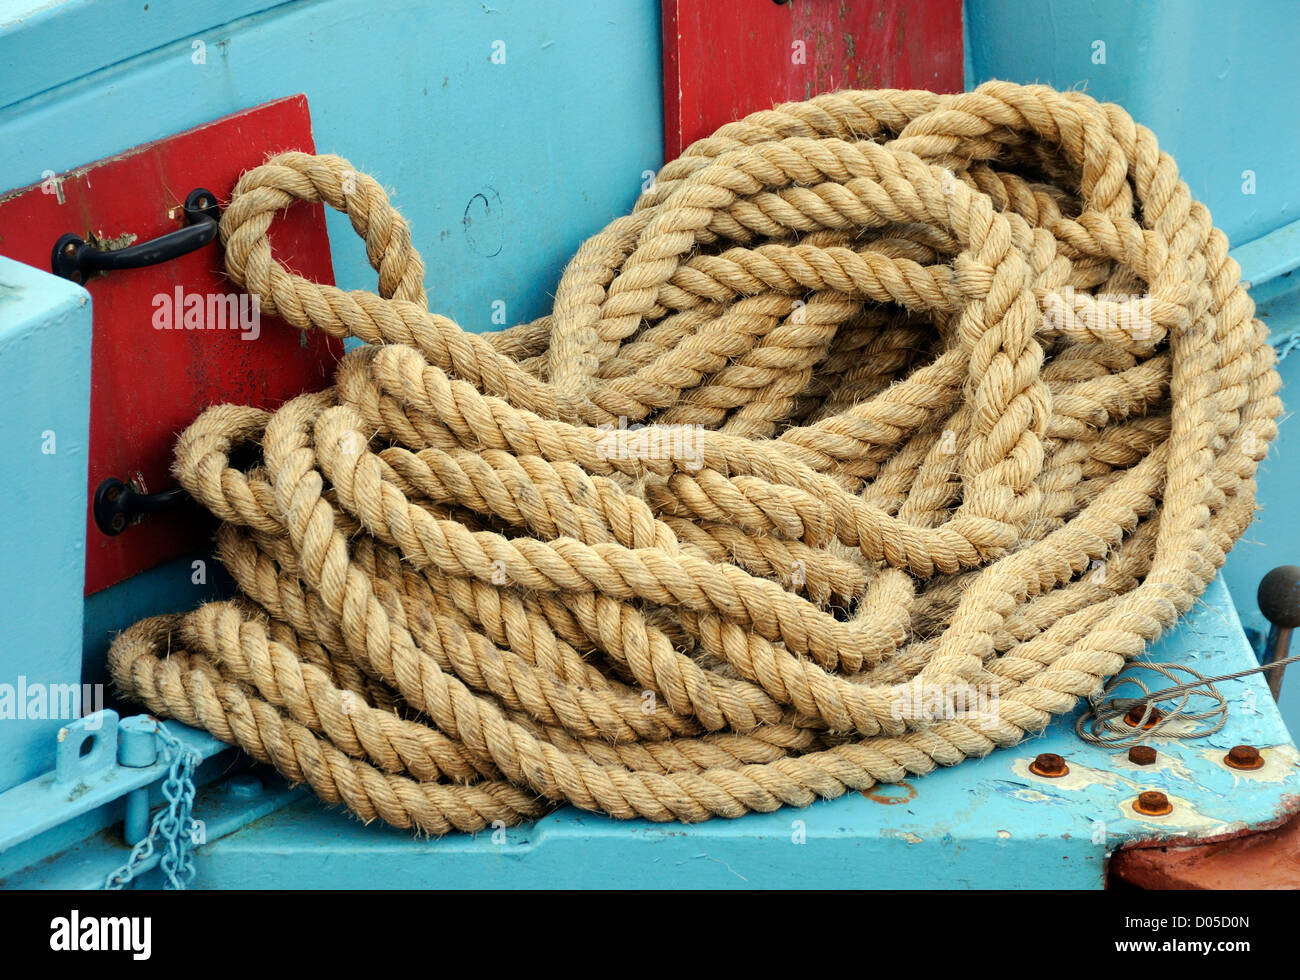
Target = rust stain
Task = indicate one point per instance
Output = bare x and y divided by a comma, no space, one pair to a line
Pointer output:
1244,757
1153,803
1262,859
880,794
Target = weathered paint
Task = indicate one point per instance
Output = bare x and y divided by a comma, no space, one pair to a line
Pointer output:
723,61
147,382
1267,859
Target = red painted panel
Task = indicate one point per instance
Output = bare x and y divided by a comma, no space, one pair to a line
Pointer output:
147,384
1262,859
724,59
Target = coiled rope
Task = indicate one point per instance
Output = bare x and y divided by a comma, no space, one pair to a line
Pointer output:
904,434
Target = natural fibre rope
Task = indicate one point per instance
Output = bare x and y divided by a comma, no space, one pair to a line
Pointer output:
472,589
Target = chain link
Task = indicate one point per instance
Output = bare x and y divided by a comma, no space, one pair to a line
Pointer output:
173,825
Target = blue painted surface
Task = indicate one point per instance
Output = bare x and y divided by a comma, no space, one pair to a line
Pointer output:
45,387
88,847
1215,81
985,823
101,31
51,799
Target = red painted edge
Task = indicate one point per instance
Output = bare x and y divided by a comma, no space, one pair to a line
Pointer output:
724,59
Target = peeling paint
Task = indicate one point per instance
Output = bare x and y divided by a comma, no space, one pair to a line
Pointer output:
1183,820
1079,777
1023,793
1280,762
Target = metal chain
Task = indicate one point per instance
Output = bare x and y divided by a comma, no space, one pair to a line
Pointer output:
173,825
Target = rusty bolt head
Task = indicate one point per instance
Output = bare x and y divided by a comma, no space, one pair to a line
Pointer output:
1244,757
1134,717
1153,803
1142,755
1049,765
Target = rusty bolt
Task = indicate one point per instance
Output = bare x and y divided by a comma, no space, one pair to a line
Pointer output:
1142,755
1134,717
1244,757
1153,803
1049,765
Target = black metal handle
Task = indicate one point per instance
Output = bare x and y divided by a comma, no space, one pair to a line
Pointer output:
1279,601
118,505
74,259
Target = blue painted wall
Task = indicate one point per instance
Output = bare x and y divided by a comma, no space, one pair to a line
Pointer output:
1215,81
538,152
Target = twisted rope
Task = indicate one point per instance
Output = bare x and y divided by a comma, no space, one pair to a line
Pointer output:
954,394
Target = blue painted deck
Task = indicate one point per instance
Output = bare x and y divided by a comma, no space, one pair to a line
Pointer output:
985,823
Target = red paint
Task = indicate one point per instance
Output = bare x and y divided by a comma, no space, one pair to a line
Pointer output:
1263,859
724,59
148,384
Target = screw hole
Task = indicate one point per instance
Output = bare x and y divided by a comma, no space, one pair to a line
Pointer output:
88,746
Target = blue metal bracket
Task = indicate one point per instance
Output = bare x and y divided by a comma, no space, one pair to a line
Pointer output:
80,783
87,747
